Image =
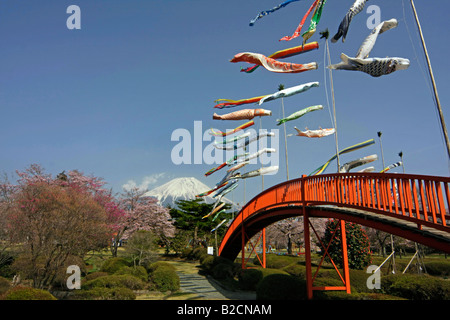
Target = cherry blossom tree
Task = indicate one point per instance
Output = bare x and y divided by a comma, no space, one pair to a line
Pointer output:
142,213
6,192
285,233
52,219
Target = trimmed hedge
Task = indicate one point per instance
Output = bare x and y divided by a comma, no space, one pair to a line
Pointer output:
193,254
26,293
165,279
223,271
281,287
416,287
99,293
218,267
249,278
438,268
159,264
296,269
113,265
139,272
95,275
112,281
208,261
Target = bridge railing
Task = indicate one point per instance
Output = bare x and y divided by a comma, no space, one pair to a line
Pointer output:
421,199
424,200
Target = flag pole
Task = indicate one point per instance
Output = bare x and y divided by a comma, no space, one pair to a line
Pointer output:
281,87
334,102
438,103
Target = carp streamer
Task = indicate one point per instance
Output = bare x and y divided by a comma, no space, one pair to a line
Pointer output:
267,12
272,64
286,53
346,150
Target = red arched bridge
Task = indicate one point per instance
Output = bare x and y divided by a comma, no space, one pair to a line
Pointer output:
410,206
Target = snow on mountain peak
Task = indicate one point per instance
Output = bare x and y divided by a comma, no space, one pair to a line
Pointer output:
185,188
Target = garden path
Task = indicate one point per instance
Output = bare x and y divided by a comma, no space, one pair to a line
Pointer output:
204,287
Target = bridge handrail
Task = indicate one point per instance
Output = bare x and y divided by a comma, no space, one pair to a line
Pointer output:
368,191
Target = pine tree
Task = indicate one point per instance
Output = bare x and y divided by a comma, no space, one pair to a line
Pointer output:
189,215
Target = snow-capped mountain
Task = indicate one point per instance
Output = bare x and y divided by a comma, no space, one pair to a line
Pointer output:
182,189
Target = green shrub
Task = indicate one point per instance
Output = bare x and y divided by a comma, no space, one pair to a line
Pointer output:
249,278
186,253
197,253
26,293
112,281
95,275
60,280
99,293
296,269
378,296
5,285
165,279
193,253
337,295
269,271
281,287
223,271
159,264
139,272
358,281
207,262
438,268
416,287
113,265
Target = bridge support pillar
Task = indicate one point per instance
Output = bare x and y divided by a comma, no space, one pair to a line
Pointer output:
246,240
345,257
307,236
309,276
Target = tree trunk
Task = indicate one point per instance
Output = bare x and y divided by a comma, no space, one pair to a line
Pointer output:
195,240
289,246
115,244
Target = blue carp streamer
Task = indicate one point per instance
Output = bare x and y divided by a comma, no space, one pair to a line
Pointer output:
265,13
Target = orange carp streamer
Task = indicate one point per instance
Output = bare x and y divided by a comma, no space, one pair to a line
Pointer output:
286,53
272,64
243,114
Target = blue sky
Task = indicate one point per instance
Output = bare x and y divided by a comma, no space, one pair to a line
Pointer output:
105,99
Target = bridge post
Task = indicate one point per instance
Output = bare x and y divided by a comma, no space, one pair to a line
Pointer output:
243,261
307,240
307,236
264,248
345,257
